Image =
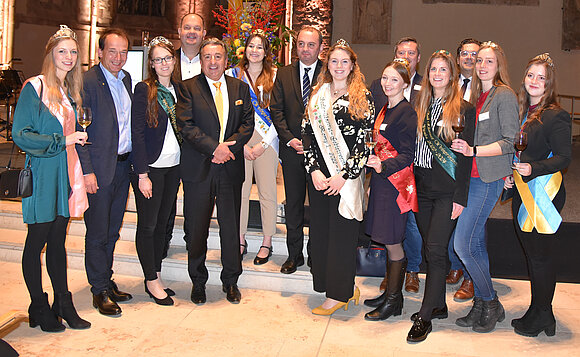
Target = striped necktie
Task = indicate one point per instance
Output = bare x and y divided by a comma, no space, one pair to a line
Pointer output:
305,86
219,105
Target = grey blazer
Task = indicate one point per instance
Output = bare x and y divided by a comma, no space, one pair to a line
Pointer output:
498,121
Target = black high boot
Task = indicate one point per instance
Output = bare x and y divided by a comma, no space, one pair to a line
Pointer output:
540,319
63,307
39,313
379,300
393,303
492,312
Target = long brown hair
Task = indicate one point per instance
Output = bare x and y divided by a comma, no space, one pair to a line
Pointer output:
451,100
549,99
266,77
152,77
73,81
501,77
358,105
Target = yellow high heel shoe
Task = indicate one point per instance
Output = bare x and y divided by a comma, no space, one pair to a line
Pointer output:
326,312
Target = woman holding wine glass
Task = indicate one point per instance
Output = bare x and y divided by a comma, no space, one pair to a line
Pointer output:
492,152
442,179
334,156
548,152
44,127
156,153
392,187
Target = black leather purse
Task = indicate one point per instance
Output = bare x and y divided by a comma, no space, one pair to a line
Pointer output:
15,182
371,260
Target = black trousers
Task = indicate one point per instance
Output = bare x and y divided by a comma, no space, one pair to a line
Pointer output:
53,235
200,198
295,191
103,220
333,246
541,255
435,225
152,217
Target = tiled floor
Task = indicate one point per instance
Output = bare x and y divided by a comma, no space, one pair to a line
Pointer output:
270,323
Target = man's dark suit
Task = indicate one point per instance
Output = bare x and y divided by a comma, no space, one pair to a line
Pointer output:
206,183
380,97
107,206
287,110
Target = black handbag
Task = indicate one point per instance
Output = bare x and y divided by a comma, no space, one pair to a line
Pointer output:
15,182
371,260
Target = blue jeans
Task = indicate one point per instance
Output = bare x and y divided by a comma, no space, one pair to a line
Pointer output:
470,243
456,263
412,244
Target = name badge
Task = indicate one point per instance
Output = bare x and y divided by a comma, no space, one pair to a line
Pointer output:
483,116
417,87
383,127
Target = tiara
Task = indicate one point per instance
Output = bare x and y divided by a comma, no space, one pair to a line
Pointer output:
159,40
342,43
441,52
402,61
64,32
545,57
260,32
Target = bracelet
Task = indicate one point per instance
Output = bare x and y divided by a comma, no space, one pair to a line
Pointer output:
474,150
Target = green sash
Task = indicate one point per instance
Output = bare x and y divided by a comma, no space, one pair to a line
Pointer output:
167,102
444,156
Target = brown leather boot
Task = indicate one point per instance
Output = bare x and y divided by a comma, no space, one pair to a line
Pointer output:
465,292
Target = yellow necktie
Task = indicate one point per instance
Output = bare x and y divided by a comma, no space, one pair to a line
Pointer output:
219,104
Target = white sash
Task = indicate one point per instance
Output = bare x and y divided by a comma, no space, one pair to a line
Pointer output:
335,152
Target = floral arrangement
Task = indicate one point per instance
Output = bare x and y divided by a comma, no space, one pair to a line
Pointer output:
240,21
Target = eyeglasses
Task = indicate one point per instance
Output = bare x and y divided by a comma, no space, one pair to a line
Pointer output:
159,60
468,53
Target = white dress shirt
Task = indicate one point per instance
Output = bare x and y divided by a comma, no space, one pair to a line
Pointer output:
189,68
226,102
467,94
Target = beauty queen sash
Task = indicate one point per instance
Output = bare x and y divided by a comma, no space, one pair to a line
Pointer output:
404,179
262,120
444,156
335,152
66,115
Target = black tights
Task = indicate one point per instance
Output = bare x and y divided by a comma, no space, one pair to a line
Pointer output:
53,235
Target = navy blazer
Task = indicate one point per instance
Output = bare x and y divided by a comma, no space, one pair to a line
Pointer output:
287,107
147,141
198,123
100,157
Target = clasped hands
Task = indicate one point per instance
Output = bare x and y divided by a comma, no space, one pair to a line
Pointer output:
331,185
222,153
252,153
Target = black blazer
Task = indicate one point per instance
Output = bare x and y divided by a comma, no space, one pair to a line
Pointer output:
380,97
286,106
147,142
100,157
198,122
551,135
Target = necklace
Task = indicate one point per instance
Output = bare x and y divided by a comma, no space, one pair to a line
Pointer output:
335,92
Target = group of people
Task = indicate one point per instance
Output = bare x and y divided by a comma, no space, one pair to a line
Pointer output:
443,152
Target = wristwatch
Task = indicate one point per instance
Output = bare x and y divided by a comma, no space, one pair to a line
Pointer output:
264,145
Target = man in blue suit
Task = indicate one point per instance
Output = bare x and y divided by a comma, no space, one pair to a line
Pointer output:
107,92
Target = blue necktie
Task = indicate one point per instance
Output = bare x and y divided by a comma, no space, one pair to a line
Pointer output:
305,87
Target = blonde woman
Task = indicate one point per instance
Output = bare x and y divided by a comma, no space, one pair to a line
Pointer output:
333,133
44,127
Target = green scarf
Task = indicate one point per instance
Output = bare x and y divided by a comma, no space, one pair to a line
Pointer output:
444,156
167,102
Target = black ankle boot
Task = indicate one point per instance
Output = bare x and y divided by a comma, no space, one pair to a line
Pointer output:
39,313
392,305
492,313
63,307
523,319
540,319
474,314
